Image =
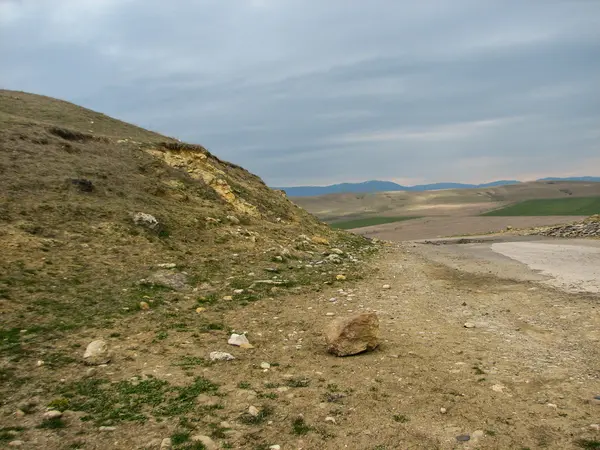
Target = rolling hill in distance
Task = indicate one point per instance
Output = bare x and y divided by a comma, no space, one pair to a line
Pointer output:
389,186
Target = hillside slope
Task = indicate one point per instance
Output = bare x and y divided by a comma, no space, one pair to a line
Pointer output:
106,228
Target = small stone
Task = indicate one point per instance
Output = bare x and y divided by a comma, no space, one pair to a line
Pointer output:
238,340
90,372
144,306
253,411
146,220
386,286
498,388
19,413
340,277
166,266
40,363
469,325
97,353
209,444
330,419
234,220
595,426
227,298
200,310
52,414
551,405
166,444
443,410
221,356
238,291
107,428
478,434
330,314
265,365
337,251
463,438
275,447
15,443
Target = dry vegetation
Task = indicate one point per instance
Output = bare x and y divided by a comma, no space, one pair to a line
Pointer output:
75,266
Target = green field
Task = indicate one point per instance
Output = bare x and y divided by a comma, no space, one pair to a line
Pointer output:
571,206
369,221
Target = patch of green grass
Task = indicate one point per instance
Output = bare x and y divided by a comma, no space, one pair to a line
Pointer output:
124,401
52,424
270,395
60,404
193,446
297,383
161,335
187,362
299,426
571,206
212,326
10,342
180,437
244,385
369,221
7,433
588,444
401,418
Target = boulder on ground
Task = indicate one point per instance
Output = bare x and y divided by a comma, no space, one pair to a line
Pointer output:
353,335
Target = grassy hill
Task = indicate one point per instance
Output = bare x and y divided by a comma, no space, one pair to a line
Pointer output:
340,207
570,206
111,231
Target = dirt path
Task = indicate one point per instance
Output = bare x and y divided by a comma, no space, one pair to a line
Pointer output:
524,377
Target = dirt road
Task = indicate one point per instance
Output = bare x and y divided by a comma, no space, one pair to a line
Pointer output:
525,374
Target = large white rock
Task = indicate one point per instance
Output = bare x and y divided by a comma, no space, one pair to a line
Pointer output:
238,340
97,353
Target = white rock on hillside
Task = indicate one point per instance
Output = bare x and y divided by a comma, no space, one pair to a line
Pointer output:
97,353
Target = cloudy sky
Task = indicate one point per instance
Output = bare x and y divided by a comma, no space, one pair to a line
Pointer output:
320,92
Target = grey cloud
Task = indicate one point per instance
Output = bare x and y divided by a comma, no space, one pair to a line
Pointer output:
321,92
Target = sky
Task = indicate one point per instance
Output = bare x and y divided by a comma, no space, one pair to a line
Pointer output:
314,92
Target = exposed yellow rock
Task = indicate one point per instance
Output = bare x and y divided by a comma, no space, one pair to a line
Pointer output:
319,240
340,277
198,166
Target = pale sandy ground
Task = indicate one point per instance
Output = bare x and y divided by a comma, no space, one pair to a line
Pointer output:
434,227
572,265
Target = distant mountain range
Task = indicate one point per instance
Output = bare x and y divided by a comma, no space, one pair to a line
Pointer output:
386,186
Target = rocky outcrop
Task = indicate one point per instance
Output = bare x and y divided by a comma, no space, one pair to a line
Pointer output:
590,227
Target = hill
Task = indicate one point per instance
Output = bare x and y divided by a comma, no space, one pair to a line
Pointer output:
465,202
113,232
381,186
